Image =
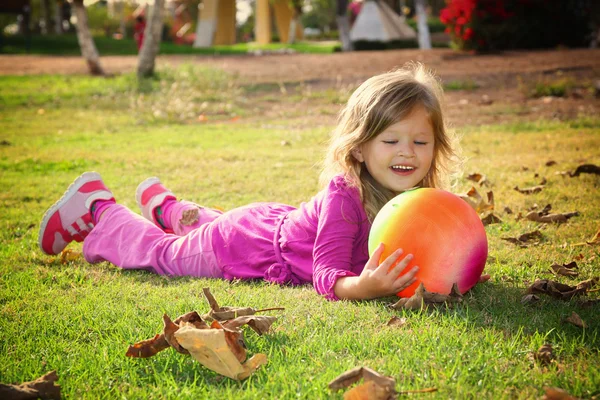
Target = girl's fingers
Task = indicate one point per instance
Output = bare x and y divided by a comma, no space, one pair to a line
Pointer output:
404,285
373,262
401,265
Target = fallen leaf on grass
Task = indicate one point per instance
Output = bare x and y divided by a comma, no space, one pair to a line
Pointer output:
565,269
550,163
422,298
479,204
549,218
560,290
526,239
530,299
376,386
592,241
530,190
557,394
69,255
44,387
576,320
397,322
219,347
219,350
478,178
586,169
489,219
544,355
225,313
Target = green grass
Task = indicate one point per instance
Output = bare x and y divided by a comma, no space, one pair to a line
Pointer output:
466,84
79,319
66,45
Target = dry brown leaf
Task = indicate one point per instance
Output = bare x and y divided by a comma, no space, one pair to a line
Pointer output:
586,169
219,313
68,255
557,394
508,210
576,320
44,387
212,349
259,323
422,298
169,333
479,204
148,348
560,290
565,269
397,322
548,218
368,390
544,355
526,239
550,163
490,219
383,385
530,299
478,178
530,190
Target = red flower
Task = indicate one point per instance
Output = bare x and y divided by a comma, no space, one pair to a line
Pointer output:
468,35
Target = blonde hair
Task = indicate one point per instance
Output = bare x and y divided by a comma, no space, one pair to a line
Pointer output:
379,102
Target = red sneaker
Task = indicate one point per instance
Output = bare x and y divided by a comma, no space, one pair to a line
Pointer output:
151,194
69,219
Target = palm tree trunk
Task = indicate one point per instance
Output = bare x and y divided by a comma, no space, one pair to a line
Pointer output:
152,37
86,42
424,37
343,23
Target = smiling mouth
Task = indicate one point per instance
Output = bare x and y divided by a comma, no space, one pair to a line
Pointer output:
402,168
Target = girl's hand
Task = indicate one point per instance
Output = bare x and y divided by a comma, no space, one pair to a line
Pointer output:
378,280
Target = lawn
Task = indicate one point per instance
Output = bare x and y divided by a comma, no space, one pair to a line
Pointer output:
220,142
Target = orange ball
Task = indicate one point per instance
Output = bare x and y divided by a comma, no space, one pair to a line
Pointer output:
443,233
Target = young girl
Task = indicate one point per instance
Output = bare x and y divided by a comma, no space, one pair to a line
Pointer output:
390,137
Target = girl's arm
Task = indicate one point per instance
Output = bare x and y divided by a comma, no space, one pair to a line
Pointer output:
377,280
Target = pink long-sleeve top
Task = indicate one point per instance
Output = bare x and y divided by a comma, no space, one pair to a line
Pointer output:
318,242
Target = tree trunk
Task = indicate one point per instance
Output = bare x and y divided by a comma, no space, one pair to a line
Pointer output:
58,17
45,11
152,37
292,30
343,23
86,42
424,38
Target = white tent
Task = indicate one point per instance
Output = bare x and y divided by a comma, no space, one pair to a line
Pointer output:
377,22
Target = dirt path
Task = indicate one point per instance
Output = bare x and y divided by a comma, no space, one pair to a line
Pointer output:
339,66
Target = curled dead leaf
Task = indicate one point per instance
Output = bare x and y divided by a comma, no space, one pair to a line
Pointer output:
44,387
422,299
212,349
148,348
550,163
549,218
576,320
551,393
530,190
490,219
586,169
397,322
225,313
526,239
530,299
476,200
68,255
544,355
560,290
383,387
190,217
478,178
259,323
565,269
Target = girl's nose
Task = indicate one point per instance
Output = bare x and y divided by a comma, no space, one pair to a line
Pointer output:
406,151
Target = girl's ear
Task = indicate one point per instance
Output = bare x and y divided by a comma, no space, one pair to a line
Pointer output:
357,154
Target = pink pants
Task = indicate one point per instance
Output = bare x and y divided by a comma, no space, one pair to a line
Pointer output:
130,241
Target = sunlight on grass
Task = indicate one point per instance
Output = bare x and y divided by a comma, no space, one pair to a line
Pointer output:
79,319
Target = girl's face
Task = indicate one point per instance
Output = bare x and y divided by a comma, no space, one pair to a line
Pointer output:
400,156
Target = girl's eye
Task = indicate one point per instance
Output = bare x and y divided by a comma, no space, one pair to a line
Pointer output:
421,143
390,141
